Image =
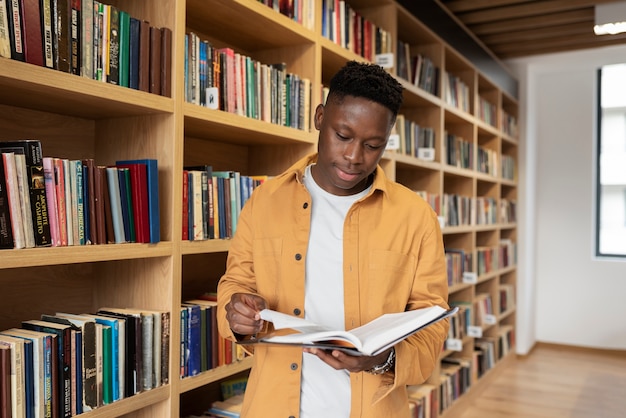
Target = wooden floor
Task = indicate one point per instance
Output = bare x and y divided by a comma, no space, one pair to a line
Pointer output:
555,382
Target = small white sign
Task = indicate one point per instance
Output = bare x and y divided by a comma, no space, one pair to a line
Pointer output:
454,344
470,277
394,142
212,98
474,331
426,154
490,319
385,60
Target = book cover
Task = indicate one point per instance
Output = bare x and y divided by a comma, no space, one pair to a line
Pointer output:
113,356
18,384
62,26
116,204
370,339
51,200
193,356
13,194
152,187
100,215
6,233
59,184
140,199
5,380
16,30
33,40
124,48
88,327
126,203
114,46
209,197
166,62
86,38
63,360
68,199
144,56
5,39
133,54
75,35
154,73
40,343
91,232
78,199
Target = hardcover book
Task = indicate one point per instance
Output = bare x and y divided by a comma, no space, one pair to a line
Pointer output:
141,201
13,194
6,233
370,339
33,41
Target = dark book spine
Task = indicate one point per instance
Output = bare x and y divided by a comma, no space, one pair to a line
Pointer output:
144,56
16,33
165,347
155,61
133,48
63,36
166,62
75,35
114,46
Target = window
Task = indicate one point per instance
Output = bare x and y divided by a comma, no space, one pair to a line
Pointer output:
611,162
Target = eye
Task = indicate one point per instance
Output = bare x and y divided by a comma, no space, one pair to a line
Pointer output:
342,137
373,147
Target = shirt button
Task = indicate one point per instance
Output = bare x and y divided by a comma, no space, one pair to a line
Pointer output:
296,311
298,257
291,416
306,205
294,366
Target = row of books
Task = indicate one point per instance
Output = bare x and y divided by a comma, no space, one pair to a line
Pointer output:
498,257
221,78
47,201
508,211
459,152
414,140
202,347
487,161
456,93
506,294
346,27
509,124
212,201
487,111
458,262
460,322
508,167
457,210
417,69
66,364
301,11
88,38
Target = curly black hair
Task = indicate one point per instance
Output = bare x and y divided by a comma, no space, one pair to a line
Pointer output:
369,81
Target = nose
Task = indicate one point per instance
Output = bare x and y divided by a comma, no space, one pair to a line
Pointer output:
353,152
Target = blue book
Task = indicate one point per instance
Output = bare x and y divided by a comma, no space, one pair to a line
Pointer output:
133,54
194,359
154,216
184,342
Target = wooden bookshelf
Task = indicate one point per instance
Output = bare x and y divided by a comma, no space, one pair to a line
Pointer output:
78,118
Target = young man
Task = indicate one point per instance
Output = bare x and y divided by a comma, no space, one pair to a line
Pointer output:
334,241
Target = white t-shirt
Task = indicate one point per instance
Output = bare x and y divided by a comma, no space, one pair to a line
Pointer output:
325,391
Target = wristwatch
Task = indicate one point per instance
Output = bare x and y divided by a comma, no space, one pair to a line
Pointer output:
386,366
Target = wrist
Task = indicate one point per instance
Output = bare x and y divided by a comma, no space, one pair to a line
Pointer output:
385,367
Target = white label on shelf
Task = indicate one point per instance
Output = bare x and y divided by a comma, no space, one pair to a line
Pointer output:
212,98
490,319
394,142
474,331
442,221
470,277
385,60
454,344
427,154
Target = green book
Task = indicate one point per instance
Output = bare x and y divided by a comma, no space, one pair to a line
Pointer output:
107,353
124,55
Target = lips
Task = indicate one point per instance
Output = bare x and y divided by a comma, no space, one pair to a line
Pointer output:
347,176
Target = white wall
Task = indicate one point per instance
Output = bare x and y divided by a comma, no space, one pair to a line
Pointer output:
566,295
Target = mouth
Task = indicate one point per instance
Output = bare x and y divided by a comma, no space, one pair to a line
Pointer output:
347,176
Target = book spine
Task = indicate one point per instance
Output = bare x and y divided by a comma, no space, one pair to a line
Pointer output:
114,46
166,62
144,56
124,48
5,38
185,214
75,36
86,39
133,60
63,35
17,226
155,61
33,41
6,233
67,175
16,30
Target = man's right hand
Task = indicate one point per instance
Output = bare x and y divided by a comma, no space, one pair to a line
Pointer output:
242,313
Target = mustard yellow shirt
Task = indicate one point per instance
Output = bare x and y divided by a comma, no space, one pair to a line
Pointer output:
393,261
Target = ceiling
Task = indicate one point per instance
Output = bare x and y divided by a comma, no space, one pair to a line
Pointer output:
516,28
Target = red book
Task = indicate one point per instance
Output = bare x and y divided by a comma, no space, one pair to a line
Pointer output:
139,188
185,205
33,41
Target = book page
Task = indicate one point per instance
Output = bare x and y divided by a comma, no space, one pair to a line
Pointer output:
284,321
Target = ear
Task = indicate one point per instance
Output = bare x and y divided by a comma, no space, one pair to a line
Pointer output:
319,115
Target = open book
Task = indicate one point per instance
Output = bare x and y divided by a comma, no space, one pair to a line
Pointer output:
369,339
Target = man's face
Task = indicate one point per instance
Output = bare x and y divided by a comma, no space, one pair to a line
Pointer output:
353,136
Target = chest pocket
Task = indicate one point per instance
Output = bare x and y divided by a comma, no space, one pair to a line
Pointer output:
390,279
267,257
